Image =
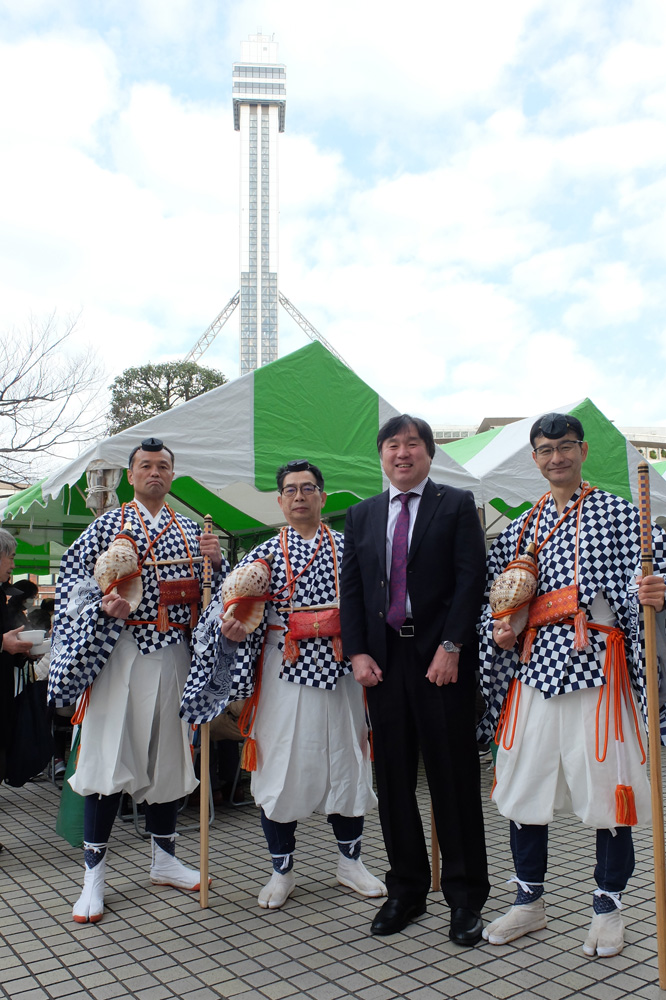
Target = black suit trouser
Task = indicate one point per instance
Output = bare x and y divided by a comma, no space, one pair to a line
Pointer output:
410,714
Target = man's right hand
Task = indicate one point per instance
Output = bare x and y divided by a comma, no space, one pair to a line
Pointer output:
115,606
366,670
12,642
232,630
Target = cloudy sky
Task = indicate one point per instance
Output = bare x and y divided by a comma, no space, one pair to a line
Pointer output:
473,195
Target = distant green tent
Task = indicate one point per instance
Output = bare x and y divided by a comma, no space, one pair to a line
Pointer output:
501,459
228,444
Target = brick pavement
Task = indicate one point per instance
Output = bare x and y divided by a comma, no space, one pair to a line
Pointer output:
155,943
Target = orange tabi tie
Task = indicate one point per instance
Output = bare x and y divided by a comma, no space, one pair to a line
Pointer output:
580,619
248,715
291,647
163,624
82,707
508,709
618,687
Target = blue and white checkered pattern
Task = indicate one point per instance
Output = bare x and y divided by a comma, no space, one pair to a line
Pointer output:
83,637
215,680
609,561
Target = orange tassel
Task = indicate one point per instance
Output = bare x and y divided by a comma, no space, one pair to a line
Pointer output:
528,641
581,639
371,743
194,617
249,755
291,650
625,806
82,707
163,618
337,649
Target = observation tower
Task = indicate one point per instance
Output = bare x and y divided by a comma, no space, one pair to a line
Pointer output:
259,92
260,101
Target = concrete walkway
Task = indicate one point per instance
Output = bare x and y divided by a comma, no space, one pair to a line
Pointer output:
155,943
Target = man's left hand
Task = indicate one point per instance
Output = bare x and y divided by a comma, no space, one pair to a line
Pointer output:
652,591
210,546
443,668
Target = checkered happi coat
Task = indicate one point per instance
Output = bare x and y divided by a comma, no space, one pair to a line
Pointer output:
83,637
217,677
609,561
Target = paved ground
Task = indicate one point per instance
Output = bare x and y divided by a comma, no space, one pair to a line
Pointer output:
156,944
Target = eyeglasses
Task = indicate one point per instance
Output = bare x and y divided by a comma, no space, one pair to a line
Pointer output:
307,489
548,450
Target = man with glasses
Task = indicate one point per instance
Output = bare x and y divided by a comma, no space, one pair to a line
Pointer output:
559,690
307,717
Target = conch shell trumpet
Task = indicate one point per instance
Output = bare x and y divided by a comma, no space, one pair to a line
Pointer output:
515,588
242,584
117,570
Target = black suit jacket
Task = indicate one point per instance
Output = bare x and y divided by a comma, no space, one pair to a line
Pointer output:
445,574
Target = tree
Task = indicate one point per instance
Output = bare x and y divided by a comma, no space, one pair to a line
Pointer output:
143,392
46,396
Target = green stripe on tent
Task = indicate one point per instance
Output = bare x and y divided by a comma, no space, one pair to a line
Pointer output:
511,512
468,448
606,464
201,500
326,415
23,499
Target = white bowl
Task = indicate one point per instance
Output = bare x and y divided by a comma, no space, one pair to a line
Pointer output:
41,648
34,636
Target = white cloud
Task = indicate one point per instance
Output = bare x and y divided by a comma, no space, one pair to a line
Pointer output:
472,203
60,87
613,295
553,272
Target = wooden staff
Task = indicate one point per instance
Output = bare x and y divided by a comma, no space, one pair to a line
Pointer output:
204,751
654,729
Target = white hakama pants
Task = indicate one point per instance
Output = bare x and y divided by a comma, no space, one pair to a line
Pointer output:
132,738
313,753
551,767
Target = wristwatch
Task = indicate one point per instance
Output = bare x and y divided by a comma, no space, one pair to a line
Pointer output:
449,647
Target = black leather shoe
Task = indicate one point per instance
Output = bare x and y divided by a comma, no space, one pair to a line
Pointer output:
395,914
466,927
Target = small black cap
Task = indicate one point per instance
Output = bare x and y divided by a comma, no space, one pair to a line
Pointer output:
152,444
554,425
148,444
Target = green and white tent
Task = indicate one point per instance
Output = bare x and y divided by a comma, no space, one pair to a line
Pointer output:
501,459
228,444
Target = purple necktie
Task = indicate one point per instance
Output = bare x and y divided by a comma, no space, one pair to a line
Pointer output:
398,582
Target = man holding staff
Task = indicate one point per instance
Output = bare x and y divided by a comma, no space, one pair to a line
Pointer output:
134,664
562,697
305,712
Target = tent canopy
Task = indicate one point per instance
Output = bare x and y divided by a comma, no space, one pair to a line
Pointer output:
228,444
501,459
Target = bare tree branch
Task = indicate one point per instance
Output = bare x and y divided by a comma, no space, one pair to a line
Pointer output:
47,395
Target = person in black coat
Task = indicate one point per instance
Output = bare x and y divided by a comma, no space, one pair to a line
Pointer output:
413,647
12,649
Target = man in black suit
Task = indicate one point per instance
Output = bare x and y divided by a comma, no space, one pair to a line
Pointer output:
411,637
